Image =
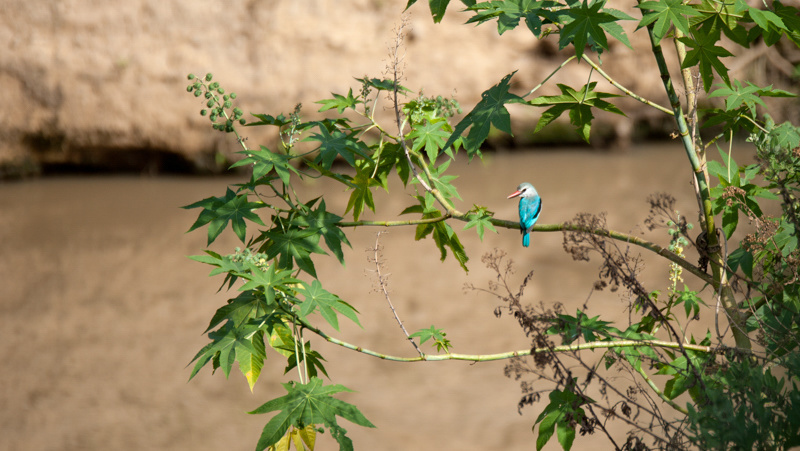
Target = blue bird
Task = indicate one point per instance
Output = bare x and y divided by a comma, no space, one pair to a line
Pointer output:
530,205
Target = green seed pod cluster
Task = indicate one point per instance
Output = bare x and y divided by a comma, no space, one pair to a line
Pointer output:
237,115
214,106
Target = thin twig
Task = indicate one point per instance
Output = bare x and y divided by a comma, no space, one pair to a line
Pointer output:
536,88
385,291
627,91
396,75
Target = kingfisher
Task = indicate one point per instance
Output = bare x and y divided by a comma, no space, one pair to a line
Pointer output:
530,205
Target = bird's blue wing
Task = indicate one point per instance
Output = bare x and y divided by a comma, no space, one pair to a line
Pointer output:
529,210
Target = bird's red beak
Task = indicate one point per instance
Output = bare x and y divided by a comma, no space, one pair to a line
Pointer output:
514,194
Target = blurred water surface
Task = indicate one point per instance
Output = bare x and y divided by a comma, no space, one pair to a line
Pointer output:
102,311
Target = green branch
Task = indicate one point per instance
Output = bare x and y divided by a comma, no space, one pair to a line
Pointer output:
512,354
393,223
564,226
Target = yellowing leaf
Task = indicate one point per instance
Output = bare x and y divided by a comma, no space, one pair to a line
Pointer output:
251,363
309,436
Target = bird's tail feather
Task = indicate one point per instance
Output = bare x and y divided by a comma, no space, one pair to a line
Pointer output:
526,240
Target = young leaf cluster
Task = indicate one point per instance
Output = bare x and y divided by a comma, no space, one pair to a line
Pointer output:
280,294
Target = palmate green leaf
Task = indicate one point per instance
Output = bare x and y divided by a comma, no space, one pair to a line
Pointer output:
738,95
228,342
431,136
480,218
490,111
385,84
682,379
715,15
294,245
750,96
218,261
706,55
248,305
564,411
264,162
218,211
783,136
328,304
508,14
222,265
665,14
614,28
578,103
731,121
443,235
324,223
392,158
588,25
725,17
339,102
268,281
572,328
362,185
691,302
439,336
306,404
335,143
442,182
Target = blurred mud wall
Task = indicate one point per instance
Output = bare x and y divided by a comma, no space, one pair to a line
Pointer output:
101,83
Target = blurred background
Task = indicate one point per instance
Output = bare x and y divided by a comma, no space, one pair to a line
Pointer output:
100,144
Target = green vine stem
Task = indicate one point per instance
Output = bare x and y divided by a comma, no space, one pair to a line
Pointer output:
520,353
